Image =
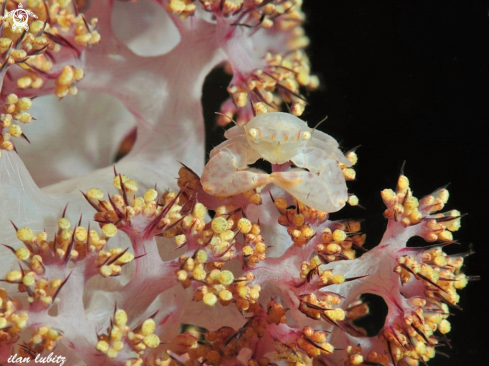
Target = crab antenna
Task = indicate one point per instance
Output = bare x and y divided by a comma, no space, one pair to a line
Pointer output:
288,106
222,114
315,127
324,119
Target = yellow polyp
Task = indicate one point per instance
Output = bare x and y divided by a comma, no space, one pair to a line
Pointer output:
255,293
247,251
298,42
355,359
403,183
22,254
261,248
189,264
120,318
461,282
411,202
442,194
102,346
37,44
148,210
307,232
140,347
125,258
199,273
10,108
225,295
303,78
12,98
219,225
339,236
226,277
81,233
267,96
109,230
389,197
24,82
83,39
227,236
102,257
28,280
36,26
201,256
349,173
240,97
188,222
61,91
60,253
182,275
455,224
176,6
18,55
326,276
332,249
14,276
231,6
64,224
5,44
398,210
54,284
95,37
148,327
209,299
298,219
112,353
260,108
353,200
152,341
445,236
440,261
338,279
353,158
180,240
117,346
244,225
415,217
24,104
253,260
63,238
73,90
66,77
327,236
6,119
130,185
25,234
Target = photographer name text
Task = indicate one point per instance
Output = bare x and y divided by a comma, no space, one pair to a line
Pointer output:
51,358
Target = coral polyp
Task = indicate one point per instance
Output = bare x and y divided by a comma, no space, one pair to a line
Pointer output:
224,263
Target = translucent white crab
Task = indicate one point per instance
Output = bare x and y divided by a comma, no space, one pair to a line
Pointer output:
279,138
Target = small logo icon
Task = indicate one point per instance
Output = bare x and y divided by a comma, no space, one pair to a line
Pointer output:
20,17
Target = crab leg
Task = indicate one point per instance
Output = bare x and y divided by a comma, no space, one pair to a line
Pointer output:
323,187
227,172
329,145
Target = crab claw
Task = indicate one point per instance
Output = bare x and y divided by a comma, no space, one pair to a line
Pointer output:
325,191
227,173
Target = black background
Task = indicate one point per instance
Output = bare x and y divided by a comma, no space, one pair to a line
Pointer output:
408,81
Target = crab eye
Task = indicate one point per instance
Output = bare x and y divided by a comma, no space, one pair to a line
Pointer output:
306,135
253,132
